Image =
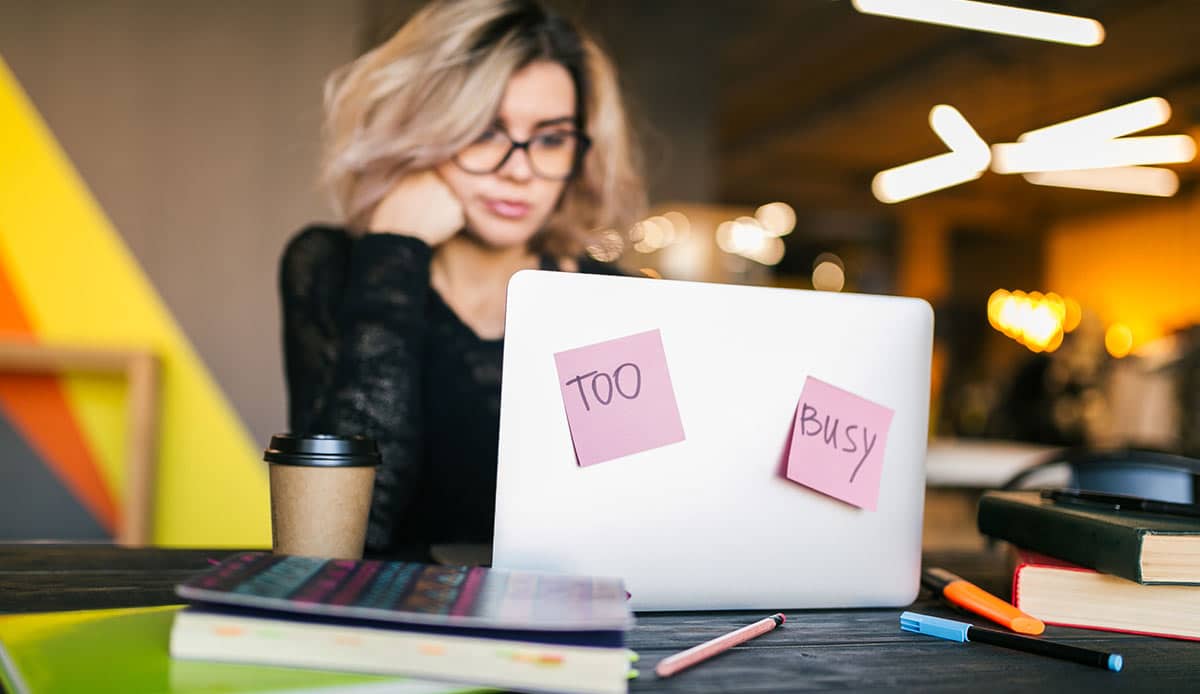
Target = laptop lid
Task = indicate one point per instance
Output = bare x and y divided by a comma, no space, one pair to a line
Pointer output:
706,517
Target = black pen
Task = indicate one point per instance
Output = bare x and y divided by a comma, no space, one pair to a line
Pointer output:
962,632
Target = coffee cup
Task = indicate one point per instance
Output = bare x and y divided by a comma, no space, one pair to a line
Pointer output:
321,488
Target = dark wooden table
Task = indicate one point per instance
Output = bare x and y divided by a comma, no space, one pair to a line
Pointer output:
850,650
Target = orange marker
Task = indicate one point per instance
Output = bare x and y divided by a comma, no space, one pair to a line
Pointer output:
971,597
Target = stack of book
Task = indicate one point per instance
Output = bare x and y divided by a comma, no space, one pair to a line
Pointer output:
1100,568
507,629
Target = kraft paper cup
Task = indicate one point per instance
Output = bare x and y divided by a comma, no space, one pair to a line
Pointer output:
321,493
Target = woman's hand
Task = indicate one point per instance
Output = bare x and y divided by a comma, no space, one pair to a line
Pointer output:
420,205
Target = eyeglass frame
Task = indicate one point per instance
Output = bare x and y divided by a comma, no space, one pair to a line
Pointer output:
581,149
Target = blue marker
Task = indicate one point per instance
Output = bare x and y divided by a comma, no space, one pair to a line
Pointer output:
962,632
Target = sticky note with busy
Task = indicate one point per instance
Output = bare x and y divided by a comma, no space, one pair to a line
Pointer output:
618,397
838,443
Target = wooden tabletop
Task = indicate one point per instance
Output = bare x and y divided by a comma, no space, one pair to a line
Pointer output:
849,650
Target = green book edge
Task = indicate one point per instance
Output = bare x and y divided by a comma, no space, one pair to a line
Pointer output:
125,650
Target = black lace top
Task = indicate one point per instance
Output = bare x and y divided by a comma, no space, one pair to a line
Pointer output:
370,348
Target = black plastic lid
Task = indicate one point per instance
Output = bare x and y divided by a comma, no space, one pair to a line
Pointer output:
322,450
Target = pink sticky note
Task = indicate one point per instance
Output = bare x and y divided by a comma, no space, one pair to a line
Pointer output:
618,397
838,443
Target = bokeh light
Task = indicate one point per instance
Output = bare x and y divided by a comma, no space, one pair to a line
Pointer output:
679,222
828,276
994,304
606,246
1074,314
746,236
658,232
771,252
1118,340
1035,320
777,218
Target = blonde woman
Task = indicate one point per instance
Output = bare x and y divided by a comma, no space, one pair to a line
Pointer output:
485,137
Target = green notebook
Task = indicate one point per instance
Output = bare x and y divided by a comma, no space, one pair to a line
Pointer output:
1144,547
125,650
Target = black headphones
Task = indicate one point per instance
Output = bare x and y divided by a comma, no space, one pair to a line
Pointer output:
1137,472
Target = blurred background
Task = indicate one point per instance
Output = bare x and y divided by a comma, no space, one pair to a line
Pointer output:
1066,294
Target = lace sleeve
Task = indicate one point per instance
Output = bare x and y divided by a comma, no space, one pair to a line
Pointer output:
311,278
371,382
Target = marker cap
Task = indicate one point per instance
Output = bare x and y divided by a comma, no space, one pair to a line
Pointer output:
934,626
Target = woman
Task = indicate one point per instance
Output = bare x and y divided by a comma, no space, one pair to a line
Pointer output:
485,137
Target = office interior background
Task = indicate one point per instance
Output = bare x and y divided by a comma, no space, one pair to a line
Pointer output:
1067,303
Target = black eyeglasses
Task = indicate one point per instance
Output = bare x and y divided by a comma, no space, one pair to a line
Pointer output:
553,154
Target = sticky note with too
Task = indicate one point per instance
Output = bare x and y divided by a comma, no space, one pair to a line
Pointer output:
838,443
618,397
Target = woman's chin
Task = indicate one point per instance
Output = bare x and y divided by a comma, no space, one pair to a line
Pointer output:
502,236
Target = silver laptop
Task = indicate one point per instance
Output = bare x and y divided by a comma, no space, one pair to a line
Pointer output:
724,514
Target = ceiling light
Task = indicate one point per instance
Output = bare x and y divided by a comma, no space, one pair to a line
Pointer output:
924,176
1040,154
1108,124
990,17
1137,180
959,136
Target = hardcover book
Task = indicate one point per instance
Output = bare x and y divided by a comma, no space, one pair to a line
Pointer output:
1065,594
1144,547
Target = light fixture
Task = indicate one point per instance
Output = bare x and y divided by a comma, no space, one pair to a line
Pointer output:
1042,154
1089,152
958,135
924,176
992,18
967,159
1107,124
1135,180
1092,151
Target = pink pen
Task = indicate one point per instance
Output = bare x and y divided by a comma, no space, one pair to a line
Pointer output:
672,664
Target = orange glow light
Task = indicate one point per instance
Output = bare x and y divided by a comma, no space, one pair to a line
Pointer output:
1035,320
1118,340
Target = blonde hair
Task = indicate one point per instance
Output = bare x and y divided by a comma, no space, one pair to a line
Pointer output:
436,85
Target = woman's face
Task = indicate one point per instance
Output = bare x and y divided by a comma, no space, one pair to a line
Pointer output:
507,207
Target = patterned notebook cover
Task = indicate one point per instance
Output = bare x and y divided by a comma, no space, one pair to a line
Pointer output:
414,593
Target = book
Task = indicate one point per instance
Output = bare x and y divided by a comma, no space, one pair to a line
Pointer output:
415,594
518,663
125,650
521,630
1061,593
1144,547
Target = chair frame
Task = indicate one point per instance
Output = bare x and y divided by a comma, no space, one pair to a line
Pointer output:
140,368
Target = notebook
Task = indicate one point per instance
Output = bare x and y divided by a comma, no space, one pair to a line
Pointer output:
524,661
519,630
412,593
